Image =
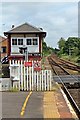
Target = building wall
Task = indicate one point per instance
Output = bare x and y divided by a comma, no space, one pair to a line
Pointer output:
13,49
24,35
4,43
5,84
31,48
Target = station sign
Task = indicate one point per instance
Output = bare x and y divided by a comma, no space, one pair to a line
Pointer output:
37,65
28,64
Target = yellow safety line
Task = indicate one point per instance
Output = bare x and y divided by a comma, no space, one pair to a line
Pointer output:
49,105
25,103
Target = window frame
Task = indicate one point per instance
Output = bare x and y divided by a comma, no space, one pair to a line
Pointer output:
14,40
27,41
35,41
20,41
32,43
2,49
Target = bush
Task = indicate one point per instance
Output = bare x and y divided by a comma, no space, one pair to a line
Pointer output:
14,89
5,71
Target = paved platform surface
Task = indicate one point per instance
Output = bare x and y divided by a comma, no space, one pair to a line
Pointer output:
40,105
12,103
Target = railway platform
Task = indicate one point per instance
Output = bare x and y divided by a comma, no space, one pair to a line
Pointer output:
43,105
40,106
56,104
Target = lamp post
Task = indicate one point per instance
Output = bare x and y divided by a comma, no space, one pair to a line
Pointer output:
24,51
26,54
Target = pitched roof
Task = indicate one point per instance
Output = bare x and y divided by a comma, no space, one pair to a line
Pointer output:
2,39
25,28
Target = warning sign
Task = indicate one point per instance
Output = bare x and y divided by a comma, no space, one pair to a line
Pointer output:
28,64
37,65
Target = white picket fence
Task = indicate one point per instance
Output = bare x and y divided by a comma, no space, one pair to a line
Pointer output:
25,78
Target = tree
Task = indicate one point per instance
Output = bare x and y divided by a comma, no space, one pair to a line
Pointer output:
61,43
46,49
72,46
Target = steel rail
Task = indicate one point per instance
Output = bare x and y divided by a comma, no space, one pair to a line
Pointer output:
62,60
64,69
70,63
70,98
67,64
58,65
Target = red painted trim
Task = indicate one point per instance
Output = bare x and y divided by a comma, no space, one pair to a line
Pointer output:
35,58
15,57
21,58
9,45
39,43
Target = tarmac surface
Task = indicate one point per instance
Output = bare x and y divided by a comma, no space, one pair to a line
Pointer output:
12,103
44,105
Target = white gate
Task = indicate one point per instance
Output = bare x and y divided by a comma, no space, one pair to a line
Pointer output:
25,78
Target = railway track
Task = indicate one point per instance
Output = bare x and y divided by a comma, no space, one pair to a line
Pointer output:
66,64
66,77
57,68
61,74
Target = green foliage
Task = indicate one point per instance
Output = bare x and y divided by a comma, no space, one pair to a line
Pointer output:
14,89
46,50
61,43
70,47
70,58
5,71
78,60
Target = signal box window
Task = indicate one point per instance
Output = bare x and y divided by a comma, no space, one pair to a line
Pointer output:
35,42
20,41
3,49
28,41
14,41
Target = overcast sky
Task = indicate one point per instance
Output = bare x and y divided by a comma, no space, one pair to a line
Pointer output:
58,19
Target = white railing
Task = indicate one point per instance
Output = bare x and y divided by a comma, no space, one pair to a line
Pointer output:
27,79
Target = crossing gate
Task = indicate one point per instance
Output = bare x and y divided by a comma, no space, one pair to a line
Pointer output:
27,79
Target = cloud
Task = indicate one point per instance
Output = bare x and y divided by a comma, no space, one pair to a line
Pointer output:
40,0
58,19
